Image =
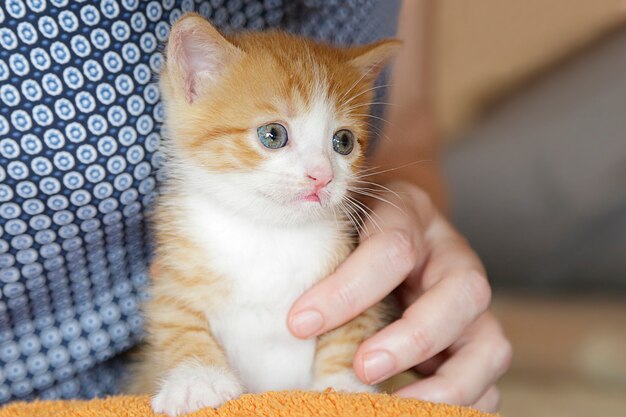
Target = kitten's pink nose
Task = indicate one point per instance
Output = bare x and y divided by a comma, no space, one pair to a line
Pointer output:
321,177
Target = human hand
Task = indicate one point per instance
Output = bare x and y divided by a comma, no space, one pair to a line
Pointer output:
446,331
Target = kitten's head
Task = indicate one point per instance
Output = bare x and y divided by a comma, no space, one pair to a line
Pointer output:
268,124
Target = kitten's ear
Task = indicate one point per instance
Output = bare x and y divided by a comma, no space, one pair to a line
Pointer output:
371,59
197,54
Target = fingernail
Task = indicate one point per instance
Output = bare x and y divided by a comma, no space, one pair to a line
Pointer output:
378,366
306,323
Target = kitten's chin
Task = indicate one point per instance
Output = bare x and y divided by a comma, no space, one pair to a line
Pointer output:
301,210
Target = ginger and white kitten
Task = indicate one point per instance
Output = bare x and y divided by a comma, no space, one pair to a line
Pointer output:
265,132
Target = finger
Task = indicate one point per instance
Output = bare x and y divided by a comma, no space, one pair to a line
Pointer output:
367,276
403,202
478,361
449,254
490,402
388,213
426,328
430,366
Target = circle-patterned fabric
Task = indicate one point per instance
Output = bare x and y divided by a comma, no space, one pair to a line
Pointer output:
79,150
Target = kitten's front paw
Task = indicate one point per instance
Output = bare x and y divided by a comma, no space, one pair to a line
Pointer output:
344,381
192,386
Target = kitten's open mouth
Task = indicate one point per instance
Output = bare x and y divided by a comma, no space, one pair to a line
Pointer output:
313,197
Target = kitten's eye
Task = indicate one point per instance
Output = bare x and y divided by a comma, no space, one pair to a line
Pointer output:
343,142
272,136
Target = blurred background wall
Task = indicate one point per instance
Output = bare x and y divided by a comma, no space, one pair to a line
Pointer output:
530,98
484,49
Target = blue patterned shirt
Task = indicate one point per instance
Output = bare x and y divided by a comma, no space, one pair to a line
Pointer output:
79,153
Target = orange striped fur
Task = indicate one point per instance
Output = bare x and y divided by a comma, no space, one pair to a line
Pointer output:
211,116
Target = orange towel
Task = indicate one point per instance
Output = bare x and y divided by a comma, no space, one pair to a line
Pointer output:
271,404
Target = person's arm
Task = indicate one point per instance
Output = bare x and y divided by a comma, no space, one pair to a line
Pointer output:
446,331
411,137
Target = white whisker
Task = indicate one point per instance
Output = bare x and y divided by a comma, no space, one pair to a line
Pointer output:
355,84
356,106
365,92
370,174
374,117
363,208
381,186
377,197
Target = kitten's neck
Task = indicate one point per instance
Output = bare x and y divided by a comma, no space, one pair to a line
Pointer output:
224,233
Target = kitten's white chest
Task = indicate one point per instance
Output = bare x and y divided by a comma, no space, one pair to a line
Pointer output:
268,268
